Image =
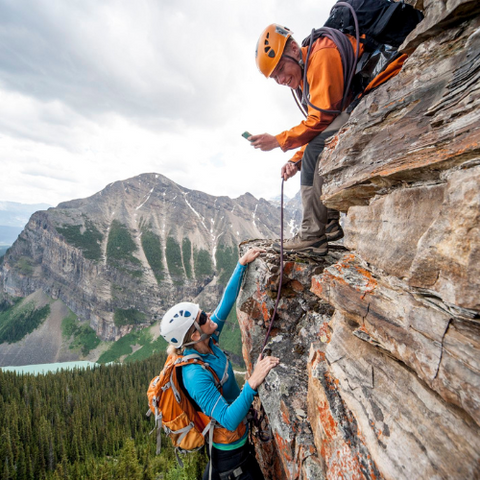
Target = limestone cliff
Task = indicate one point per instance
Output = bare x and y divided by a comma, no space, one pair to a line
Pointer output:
380,343
120,258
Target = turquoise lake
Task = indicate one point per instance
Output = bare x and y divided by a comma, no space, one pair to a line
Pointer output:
49,367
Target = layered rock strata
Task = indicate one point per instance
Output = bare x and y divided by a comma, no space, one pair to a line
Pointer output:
375,380
380,343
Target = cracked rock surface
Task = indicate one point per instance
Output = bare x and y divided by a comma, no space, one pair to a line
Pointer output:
380,341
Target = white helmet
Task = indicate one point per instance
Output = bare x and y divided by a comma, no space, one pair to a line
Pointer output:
177,321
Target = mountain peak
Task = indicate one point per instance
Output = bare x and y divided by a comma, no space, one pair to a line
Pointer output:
138,246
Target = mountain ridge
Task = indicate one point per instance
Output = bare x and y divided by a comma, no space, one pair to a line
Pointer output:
120,258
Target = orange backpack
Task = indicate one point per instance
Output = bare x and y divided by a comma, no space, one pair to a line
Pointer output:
173,409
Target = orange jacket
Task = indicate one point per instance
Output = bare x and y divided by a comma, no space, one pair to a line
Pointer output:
391,70
325,79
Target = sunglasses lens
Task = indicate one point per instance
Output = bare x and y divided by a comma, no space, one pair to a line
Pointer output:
203,319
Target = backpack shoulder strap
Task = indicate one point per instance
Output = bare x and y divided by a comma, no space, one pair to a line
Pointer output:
187,358
197,359
348,57
193,358
225,372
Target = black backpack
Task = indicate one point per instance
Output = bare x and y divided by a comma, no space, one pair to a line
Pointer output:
384,23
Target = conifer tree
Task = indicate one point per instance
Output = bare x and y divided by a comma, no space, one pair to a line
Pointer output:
21,464
7,456
29,466
128,467
75,425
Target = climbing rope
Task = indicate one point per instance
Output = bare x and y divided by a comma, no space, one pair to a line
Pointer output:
267,336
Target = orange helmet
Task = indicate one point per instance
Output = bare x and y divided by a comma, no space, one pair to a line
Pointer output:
270,47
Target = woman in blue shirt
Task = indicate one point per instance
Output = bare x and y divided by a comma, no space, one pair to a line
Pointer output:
189,330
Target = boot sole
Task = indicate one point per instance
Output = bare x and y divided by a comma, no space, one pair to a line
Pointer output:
306,250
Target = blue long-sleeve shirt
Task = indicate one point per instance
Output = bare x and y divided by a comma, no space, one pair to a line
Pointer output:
231,408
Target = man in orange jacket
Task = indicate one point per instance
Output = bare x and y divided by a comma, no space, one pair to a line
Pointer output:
279,56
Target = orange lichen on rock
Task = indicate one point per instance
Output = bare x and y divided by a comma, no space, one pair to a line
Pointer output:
329,425
344,464
317,286
349,274
284,448
371,283
288,268
265,312
285,413
325,334
297,286
332,423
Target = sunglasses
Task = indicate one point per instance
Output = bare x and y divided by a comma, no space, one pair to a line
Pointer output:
202,319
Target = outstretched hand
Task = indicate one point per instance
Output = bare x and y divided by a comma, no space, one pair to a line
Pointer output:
261,370
264,142
251,255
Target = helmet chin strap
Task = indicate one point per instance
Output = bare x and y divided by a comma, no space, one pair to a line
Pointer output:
299,62
203,336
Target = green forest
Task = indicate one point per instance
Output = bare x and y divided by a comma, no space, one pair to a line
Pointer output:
15,323
85,424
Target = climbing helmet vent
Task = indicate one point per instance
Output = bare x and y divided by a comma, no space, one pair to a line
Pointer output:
177,321
270,47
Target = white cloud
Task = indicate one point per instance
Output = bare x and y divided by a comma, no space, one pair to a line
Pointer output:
94,92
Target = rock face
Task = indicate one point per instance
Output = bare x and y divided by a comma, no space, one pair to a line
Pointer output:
380,343
123,256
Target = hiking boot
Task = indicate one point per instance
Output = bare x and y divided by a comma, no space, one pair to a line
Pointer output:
315,246
333,230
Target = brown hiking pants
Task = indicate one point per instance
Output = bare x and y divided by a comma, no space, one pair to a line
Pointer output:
315,215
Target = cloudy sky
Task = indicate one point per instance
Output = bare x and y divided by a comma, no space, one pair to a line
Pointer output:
94,91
